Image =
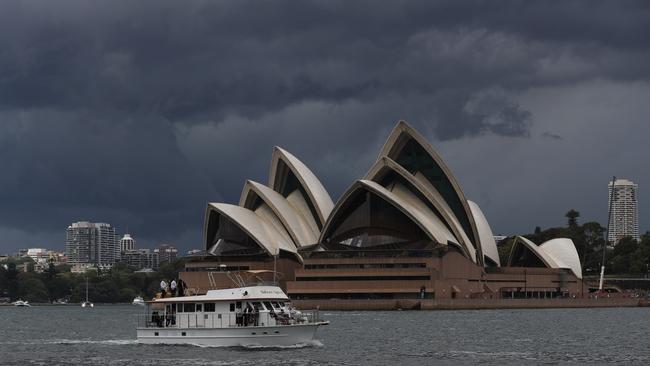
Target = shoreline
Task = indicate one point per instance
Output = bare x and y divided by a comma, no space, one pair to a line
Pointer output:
441,304
471,304
77,304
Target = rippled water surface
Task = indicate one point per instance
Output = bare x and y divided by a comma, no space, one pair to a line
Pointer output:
105,335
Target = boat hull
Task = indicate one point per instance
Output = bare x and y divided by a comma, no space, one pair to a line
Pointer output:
273,336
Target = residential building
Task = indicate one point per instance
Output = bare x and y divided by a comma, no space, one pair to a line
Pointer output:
90,243
43,257
624,220
167,253
141,259
127,243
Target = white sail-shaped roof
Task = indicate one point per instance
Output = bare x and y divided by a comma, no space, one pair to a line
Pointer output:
298,227
555,253
540,253
317,196
564,252
384,165
257,227
438,174
485,235
411,207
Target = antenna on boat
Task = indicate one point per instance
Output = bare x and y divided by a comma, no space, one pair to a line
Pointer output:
275,272
609,222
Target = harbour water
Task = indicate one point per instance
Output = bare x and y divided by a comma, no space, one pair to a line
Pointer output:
105,335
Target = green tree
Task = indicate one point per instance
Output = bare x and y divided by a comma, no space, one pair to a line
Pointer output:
58,287
594,240
169,271
621,257
504,249
31,288
11,277
3,280
572,215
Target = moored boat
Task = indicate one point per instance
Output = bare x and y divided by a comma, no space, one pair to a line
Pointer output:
87,304
21,303
138,300
243,316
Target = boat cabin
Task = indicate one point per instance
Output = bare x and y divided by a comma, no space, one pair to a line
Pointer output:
238,307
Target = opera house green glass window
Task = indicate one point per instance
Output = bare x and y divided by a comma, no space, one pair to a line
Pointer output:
524,257
368,221
414,158
228,239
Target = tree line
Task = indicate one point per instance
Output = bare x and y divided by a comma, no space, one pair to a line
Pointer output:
627,258
120,284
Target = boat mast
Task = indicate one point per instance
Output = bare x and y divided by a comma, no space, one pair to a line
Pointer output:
609,222
275,261
86,289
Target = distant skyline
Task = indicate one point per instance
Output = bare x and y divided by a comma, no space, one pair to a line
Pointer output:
139,114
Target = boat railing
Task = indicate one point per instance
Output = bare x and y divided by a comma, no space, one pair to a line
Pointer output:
227,320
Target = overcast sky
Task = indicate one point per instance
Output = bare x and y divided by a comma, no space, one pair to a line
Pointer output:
139,113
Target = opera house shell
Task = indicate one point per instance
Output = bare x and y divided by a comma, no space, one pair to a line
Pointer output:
405,230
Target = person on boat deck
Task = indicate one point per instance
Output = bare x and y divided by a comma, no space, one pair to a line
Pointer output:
163,288
181,287
239,317
172,286
282,317
248,315
255,314
157,318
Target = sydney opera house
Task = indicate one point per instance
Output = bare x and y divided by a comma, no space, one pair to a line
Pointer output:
405,231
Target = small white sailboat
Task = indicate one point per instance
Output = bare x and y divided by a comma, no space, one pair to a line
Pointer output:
138,300
87,304
21,303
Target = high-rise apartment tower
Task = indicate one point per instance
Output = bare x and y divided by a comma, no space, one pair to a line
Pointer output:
89,243
624,210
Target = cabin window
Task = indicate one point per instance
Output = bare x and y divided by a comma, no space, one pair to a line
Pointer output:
209,307
232,306
188,307
276,305
199,308
268,306
282,303
238,304
173,308
258,305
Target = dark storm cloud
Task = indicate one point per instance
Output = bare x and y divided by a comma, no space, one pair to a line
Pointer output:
63,166
553,136
133,113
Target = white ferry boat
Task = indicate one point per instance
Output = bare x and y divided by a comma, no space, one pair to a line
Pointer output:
138,300
242,316
21,303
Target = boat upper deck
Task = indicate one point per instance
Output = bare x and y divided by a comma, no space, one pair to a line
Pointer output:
232,294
